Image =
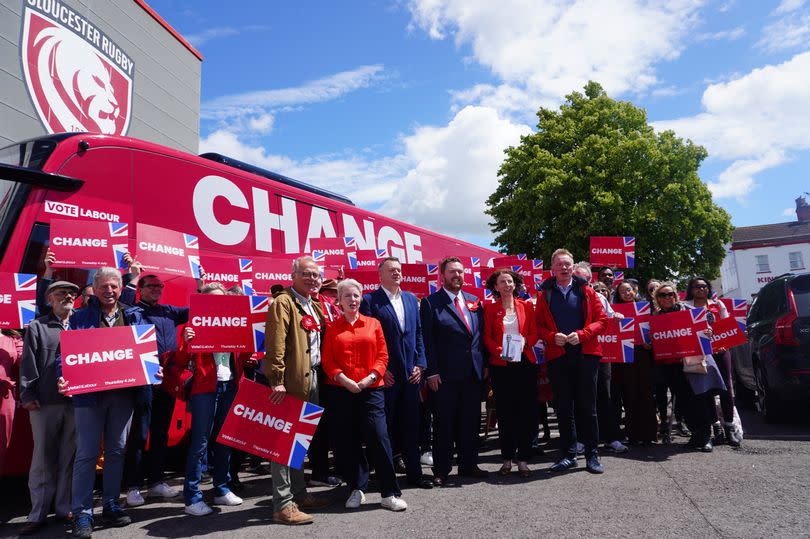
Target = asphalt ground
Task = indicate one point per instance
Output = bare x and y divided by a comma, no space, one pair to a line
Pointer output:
760,490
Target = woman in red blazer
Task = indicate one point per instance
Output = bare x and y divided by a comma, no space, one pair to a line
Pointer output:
354,361
509,322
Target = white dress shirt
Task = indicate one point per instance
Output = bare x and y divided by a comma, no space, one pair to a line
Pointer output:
464,308
315,335
399,306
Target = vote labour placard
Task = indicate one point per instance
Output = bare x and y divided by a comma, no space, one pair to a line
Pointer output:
640,311
109,358
164,251
415,279
269,271
230,271
618,341
737,308
18,299
332,251
278,432
613,251
728,333
227,323
680,334
88,244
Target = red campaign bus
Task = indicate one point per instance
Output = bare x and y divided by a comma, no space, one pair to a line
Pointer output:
234,208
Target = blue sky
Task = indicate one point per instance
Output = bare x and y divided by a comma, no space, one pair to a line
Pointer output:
406,106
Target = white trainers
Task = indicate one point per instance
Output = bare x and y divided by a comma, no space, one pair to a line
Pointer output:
618,447
356,499
134,498
198,509
229,499
162,490
427,458
394,503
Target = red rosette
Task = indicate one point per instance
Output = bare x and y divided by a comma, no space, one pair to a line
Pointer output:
500,313
308,323
472,306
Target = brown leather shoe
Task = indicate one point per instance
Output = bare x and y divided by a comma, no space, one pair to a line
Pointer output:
291,516
31,528
308,501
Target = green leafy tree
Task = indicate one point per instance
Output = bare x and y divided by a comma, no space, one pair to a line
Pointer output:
597,168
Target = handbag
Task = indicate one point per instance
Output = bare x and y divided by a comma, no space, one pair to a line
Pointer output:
695,365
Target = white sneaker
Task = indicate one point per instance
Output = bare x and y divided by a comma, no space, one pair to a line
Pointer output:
394,503
162,490
356,499
198,509
427,458
618,447
134,498
229,499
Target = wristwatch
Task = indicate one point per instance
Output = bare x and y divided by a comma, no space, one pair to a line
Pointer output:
373,377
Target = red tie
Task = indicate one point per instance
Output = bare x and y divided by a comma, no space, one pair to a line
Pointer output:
457,303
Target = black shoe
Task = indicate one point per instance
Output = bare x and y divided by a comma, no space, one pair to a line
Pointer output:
706,448
399,465
593,465
31,528
565,463
422,482
546,433
718,435
114,516
665,436
439,480
83,526
682,429
733,435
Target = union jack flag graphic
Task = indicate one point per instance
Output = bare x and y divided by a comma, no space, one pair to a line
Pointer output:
433,287
488,295
538,281
642,308
645,332
475,262
310,414
258,335
259,304
349,241
119,250
247,286
618,276
352,255
191,241
119,230
433,269
319,256
627,325
699,314
477,279
27,309
25,282
630,255
521,256
537,264
195,266
245,265
381,253
629,241
516,269
145,337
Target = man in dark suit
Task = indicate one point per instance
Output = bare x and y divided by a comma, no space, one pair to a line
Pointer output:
398,313
452,326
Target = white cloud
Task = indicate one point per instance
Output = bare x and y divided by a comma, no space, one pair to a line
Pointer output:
789,32
453,170
204,36
722,35
787,6
547,48
261,124
755,119
789,212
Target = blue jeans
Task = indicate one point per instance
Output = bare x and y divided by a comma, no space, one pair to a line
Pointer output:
110,417
208,411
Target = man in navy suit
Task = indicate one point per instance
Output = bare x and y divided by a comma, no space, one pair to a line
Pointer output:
398,313
452,326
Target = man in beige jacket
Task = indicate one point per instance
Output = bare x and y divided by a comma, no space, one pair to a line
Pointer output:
294,331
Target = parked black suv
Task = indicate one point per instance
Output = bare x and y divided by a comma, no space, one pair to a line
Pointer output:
779,335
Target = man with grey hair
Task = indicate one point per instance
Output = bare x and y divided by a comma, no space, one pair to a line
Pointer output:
106,414
292,363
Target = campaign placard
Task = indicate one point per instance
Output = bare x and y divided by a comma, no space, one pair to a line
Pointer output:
415,279
737,308
109,358
366,259
332,251
680,334
18,299
728,333
230,271
618,341
167,252
369,280
227,323
269,271
88,244
538,278
277,432
613,251
641,312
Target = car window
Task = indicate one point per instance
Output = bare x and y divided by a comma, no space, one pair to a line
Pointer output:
801,294
771,301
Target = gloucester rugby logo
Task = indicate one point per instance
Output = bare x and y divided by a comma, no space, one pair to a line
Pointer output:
77,77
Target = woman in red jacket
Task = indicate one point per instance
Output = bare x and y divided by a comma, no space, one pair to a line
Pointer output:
354,361
509,334
213,387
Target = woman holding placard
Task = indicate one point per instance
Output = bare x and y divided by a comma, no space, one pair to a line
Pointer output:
354,361
696,390
509,334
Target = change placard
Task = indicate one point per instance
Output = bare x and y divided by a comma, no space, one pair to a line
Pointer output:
227,323
332,251
88,244
18,299
109,358
640,311
618,341
167,252
680,334
229,271
613,251
277,432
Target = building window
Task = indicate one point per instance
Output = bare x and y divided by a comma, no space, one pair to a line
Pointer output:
796,261
762,264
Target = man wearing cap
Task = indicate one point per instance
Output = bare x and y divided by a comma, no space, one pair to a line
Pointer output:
52,423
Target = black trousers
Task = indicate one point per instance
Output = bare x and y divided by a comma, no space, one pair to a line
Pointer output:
318,453
670,376
458,419
402,413
150,421
606,411
515,388
638,397
573,379
359,417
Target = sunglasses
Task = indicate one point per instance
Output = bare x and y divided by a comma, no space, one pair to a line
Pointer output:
667,295
701,286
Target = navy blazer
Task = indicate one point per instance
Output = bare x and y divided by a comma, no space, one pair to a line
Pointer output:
405,348
452,351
